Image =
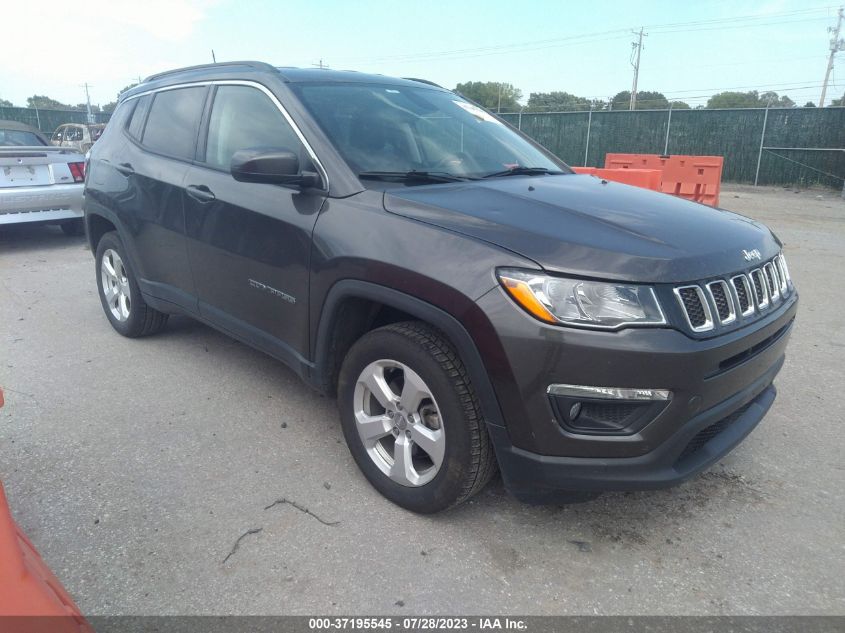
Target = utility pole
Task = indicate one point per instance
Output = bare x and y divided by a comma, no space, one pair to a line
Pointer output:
499,105
836,44
213,56
88,102
636,49
320,64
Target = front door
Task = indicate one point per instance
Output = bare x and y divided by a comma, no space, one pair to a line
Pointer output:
249,243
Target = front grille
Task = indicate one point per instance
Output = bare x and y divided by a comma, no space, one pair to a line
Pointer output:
709,432
740,296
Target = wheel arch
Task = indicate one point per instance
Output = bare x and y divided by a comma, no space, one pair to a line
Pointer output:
354,307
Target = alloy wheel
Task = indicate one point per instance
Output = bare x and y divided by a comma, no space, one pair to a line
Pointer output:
115,285
399,422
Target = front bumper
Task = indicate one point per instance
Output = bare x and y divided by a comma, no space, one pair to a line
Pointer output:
722,388
48,203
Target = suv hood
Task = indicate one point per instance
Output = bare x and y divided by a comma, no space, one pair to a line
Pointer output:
580,225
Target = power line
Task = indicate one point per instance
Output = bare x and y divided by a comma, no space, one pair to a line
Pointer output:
534,45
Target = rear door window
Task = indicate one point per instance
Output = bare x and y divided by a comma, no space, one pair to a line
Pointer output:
136,122
174,121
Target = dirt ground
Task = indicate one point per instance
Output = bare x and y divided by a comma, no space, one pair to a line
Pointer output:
146,471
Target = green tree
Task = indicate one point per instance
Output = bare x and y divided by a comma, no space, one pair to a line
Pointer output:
46,103
495,96
809,104
735,100
646,100
556,102
680,105
750,99
838,102
5,103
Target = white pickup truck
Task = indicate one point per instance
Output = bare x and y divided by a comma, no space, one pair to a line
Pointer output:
39,182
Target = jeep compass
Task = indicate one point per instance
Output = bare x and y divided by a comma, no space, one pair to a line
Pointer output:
471,302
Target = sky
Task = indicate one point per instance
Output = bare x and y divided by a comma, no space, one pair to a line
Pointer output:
693,48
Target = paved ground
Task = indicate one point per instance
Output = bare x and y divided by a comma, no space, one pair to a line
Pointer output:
135,466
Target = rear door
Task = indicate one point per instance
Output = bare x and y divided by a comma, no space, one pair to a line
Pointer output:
162,135
249,243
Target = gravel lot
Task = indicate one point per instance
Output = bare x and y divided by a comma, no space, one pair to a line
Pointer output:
135,466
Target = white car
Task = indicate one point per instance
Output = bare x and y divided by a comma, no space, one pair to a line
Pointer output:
39,182
80,136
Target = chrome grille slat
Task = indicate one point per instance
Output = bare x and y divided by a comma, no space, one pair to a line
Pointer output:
695,307
722,299
746,301
772,282
761,291
780,265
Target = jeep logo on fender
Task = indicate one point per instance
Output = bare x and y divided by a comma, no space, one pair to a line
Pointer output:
751,255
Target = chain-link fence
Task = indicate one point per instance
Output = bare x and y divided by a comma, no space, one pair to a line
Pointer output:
774,146
48,120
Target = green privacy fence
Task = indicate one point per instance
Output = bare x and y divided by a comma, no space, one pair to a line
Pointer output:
48,120
799,146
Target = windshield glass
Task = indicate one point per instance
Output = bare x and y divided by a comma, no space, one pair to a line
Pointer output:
378,128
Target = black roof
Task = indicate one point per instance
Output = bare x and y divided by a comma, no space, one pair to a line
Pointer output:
287,74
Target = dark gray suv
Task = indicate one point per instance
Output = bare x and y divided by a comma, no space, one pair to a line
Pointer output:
470,300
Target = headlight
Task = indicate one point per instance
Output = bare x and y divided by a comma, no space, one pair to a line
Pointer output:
582,303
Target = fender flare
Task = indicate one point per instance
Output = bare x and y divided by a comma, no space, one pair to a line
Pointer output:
454,330
111,217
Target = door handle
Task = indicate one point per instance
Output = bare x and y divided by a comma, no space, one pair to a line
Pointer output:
200,193
125,168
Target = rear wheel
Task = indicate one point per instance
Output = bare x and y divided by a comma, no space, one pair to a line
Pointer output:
120,295
411,418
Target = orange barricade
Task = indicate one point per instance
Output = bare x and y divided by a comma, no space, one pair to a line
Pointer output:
697,178
645,178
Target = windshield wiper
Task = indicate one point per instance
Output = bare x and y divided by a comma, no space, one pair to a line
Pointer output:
422,176
523,171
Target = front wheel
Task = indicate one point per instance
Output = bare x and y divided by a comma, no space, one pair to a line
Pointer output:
411,419
120,294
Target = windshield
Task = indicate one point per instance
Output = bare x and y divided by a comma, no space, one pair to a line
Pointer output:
384,128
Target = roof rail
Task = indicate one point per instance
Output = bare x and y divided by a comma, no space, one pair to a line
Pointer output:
423,81
251,64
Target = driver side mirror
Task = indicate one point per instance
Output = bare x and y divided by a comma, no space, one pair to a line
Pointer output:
269,165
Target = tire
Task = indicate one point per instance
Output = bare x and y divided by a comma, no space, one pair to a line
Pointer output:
73,228
415,360
132,318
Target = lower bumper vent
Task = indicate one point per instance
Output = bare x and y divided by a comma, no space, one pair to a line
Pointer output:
709,432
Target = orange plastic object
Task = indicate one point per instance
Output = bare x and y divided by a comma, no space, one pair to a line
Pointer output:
697,178
635,161
32,600
28,587
645,178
